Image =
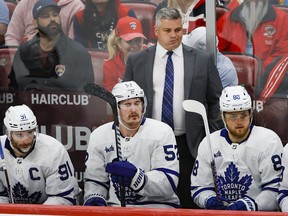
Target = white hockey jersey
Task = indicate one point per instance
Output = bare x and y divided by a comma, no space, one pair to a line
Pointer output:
251,168
44,176
152,148
283,191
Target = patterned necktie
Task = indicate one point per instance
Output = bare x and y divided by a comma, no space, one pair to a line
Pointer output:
167,106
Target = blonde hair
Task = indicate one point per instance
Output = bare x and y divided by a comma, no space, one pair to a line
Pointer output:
173,3
113,45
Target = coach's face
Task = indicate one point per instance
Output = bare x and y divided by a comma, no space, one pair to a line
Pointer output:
169,33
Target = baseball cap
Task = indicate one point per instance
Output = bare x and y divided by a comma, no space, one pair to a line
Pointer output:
41,4
129,28
196,38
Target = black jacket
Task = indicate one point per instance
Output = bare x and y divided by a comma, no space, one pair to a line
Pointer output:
67,66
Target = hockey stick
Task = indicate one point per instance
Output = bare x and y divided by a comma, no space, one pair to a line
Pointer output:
10,195
96,90
197,107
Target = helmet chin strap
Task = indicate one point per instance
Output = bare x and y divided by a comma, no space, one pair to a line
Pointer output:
126,127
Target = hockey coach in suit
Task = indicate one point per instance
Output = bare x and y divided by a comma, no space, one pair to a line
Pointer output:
195,77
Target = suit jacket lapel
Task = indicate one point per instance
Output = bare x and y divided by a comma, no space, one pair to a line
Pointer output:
149,63
189,61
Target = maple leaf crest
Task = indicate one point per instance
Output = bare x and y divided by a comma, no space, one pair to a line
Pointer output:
21,195
231,186
130,196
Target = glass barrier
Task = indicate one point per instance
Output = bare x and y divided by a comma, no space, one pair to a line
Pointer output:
253,35
70,116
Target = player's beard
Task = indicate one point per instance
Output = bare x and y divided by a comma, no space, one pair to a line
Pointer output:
50,31
252,13
130,123
22,150
239,133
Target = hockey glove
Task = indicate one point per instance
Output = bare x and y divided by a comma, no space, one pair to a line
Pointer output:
246,203
213,203
126,174
95,201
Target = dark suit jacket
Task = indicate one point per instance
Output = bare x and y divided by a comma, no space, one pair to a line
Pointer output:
201,83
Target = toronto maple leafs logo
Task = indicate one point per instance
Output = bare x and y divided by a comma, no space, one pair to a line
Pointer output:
232,187
21,195
130,196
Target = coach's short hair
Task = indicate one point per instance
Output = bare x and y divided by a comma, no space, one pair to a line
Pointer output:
167,13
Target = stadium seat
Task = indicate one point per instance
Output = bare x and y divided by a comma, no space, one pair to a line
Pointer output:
98,57
145,13
273,115
11,6
6,60
247,66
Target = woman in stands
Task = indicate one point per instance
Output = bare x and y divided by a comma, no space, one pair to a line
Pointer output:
127,38
94,24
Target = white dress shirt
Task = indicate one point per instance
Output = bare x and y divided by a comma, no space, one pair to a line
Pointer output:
159,71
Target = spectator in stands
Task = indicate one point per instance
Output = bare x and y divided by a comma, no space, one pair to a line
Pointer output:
196,77
50,59
227,72
272,90
192,12
149,171
235,3
4,20
125,39
39,168
255,27
22,28
94,24
247,160
274,80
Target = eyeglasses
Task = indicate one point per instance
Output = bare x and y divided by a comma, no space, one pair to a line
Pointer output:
235,116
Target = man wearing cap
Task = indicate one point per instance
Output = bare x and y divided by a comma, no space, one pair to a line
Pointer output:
126,38
50,60
21,27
